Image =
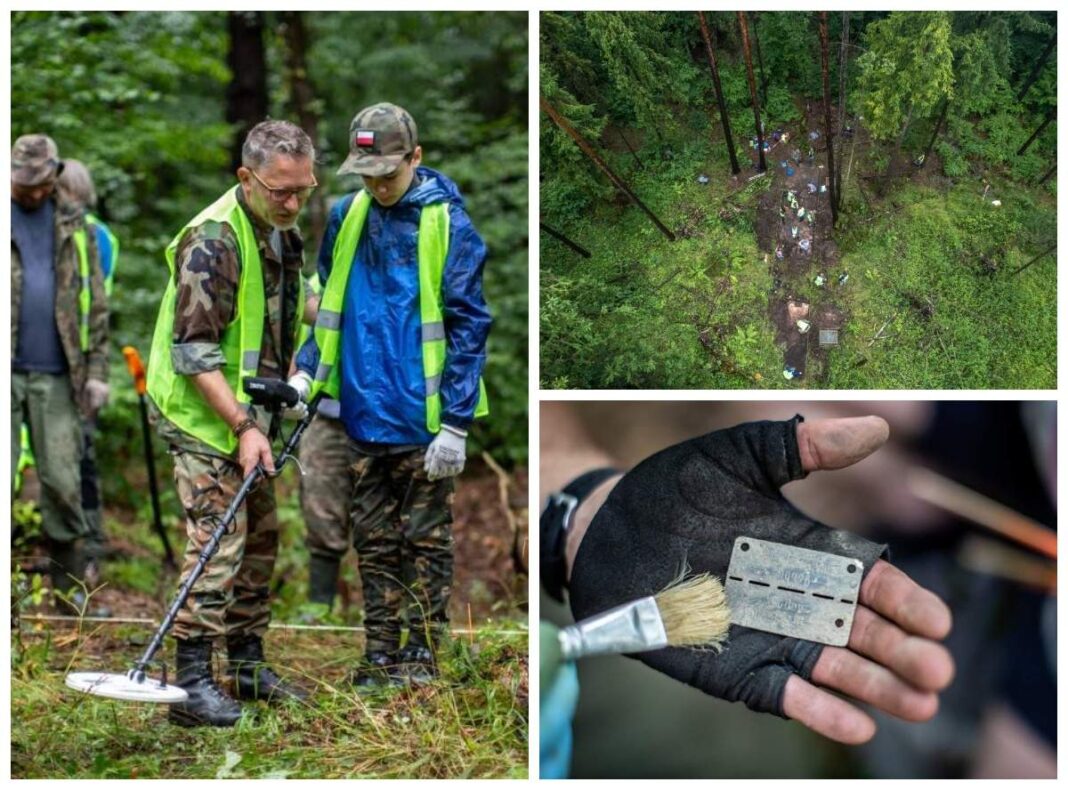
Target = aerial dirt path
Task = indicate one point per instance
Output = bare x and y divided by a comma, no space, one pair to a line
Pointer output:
795,233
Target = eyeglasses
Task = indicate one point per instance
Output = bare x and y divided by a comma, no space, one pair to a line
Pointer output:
282,195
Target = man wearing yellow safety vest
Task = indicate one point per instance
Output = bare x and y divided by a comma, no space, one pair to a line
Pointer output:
232,309
76,186
400,341
59,329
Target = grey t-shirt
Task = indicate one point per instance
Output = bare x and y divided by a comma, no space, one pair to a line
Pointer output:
39,348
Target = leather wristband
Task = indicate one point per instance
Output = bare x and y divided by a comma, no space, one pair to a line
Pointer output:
556,522
244,426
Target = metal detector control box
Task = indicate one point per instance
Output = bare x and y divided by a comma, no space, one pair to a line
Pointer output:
793,591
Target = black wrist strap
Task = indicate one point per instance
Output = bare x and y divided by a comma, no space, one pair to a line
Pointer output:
556,522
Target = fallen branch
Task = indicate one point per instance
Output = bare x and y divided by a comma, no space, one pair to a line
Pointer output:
519,552
879,335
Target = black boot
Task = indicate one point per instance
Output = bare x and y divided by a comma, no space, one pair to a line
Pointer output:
207,703
253,679
377,670
67,566
322,579
416,664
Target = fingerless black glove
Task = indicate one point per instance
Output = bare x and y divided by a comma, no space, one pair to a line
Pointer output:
683,508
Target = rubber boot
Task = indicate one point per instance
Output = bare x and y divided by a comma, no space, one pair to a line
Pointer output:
377,669
416,665
207,704
323,573
251,676
67,566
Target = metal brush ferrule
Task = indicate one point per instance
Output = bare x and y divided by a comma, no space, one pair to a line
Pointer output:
631,628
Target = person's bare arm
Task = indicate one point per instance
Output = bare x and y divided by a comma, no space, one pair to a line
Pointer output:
253,447
567,450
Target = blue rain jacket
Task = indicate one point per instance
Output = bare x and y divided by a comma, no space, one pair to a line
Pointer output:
383,395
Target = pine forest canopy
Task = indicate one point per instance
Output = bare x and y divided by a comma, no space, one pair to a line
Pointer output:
918,104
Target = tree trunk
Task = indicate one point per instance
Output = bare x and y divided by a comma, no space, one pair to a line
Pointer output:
246,95
587,149
724,118
828,129
301,103
1038,67
744,25
565,240
1041,255
1050,117
1049,174
631,149
843,64
934,134
760,60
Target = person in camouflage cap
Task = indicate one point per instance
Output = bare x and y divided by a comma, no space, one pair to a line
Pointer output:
238,261
59,335
400,340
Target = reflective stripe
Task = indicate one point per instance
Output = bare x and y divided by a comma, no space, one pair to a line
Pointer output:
250,360
433,384
434,331
322,373
328,319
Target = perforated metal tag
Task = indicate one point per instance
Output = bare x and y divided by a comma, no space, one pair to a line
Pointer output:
793,591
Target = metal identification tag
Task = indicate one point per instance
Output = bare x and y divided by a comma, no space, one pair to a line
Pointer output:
792,591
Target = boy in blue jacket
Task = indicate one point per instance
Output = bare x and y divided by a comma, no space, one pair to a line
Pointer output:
400,341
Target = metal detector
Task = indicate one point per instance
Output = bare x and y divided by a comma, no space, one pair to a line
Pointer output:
135,685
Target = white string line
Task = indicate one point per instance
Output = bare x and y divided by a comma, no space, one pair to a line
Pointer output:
42,618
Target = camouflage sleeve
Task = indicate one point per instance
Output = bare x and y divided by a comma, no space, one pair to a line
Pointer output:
98,315
207,269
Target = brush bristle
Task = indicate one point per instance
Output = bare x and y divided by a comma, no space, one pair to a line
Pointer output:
695,612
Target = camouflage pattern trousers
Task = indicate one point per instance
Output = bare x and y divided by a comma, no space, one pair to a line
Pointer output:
399,522
232,595
326,459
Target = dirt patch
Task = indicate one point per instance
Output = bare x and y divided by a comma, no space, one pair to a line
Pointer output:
490,529
923,306
690,224
794,225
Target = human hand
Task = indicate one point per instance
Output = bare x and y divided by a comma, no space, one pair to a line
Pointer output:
301,382
254,448
446,455
96,394
686,505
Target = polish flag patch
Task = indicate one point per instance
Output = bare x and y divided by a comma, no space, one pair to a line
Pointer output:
365,139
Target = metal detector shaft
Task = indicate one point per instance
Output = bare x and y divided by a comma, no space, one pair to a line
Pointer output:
216,537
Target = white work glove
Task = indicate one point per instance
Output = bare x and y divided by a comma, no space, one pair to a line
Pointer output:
446,455
302,383
96,395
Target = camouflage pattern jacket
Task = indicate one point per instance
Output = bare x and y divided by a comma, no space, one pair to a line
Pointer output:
92,364
207,273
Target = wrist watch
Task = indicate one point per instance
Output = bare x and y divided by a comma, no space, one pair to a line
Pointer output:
556,522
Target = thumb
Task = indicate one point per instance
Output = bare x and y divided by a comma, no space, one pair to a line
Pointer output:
837,443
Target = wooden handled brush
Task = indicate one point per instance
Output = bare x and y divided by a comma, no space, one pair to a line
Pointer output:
690,612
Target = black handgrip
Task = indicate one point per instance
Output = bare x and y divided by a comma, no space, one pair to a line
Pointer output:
273,394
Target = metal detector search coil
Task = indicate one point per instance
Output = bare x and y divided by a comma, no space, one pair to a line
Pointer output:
793,591
135,685
129,687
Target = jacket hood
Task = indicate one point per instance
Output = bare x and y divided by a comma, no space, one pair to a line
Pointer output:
435,188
